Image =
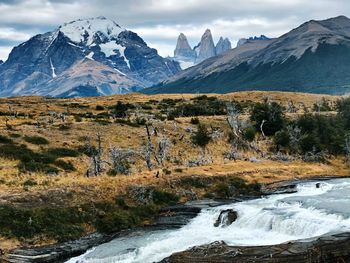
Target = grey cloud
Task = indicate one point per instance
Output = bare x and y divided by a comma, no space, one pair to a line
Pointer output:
160,21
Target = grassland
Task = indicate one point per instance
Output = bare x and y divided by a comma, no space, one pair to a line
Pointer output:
54,132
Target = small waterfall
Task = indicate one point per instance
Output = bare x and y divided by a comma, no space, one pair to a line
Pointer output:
272,220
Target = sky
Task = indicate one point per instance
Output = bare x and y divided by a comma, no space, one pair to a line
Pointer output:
159,22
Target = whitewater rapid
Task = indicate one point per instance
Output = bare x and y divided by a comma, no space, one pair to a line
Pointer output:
275,219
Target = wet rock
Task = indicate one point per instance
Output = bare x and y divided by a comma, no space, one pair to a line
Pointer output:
226,218
56,253
327,249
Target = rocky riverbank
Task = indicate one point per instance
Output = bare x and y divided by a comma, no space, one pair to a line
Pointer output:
326,249
178,215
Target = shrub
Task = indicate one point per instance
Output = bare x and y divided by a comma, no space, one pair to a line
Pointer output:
271,113
77,118
166,171
63,152
249,134
14,135
194,121
29,182
64,127
282,138
343,108
120,110
201,136
162,197
36,140
99,107
5,140
67,166
323,105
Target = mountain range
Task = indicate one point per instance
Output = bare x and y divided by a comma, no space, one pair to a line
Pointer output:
86,57
314,57
95,56
205,49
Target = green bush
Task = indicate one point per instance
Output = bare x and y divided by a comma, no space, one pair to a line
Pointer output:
201,137
99,107
271,113
36,140
282,139
249,134
162,197
194,121
67,166
5,140
63,152
30,182
14,135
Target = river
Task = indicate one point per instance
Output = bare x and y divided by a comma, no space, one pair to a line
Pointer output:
275,219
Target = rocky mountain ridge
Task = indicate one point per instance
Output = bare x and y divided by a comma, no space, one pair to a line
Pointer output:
313,57
85,57
205,49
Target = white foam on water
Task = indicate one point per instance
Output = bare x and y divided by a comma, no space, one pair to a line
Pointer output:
264,221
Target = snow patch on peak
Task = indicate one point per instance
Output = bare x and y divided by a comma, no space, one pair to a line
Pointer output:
85,30
110,48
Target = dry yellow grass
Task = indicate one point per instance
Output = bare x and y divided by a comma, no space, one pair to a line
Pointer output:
74,188
124,136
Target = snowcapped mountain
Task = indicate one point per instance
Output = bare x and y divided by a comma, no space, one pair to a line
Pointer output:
95,53
315,57
188,57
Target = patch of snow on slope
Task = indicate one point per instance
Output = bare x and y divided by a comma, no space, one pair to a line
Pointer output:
90,55
84,30
53,69
109,49
185,64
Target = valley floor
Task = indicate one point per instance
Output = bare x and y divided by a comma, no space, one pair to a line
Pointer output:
59,180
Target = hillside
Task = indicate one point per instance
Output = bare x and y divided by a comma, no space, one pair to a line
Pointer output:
311,58
47,149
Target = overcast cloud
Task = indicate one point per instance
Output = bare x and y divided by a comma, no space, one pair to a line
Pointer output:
159,22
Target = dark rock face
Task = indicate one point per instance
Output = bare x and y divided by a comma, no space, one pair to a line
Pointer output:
327,249
34,66
226,218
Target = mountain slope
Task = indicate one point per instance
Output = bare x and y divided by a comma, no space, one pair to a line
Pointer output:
43,63
311,58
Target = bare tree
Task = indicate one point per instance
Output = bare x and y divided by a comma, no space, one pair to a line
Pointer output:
120,160
295,137
233,118
147,154
262,128
163,149
96,162
291,108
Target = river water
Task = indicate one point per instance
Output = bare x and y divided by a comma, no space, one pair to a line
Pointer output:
310,212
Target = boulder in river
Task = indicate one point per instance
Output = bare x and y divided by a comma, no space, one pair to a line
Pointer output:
226,218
